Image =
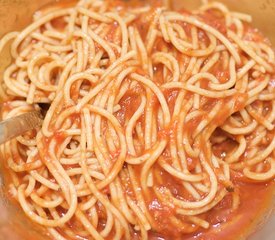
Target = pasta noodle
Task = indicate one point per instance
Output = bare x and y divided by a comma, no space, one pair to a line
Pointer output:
152,115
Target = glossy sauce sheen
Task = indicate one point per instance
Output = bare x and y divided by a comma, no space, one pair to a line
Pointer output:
255,198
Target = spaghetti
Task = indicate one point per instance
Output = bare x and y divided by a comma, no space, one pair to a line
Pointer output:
155,117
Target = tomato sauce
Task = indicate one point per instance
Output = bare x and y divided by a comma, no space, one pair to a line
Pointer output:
225,223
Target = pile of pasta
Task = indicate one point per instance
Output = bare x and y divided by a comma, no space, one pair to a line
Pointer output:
155,116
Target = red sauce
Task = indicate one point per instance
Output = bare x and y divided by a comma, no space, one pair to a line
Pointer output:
215,20
129,105
225,223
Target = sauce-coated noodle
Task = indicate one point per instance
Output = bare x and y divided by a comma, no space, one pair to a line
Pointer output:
156,118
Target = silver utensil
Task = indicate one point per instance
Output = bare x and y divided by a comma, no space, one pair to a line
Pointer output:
18,125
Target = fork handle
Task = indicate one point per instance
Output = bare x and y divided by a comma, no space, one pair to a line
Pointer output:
18,125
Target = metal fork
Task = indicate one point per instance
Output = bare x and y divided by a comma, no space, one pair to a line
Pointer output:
16,126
